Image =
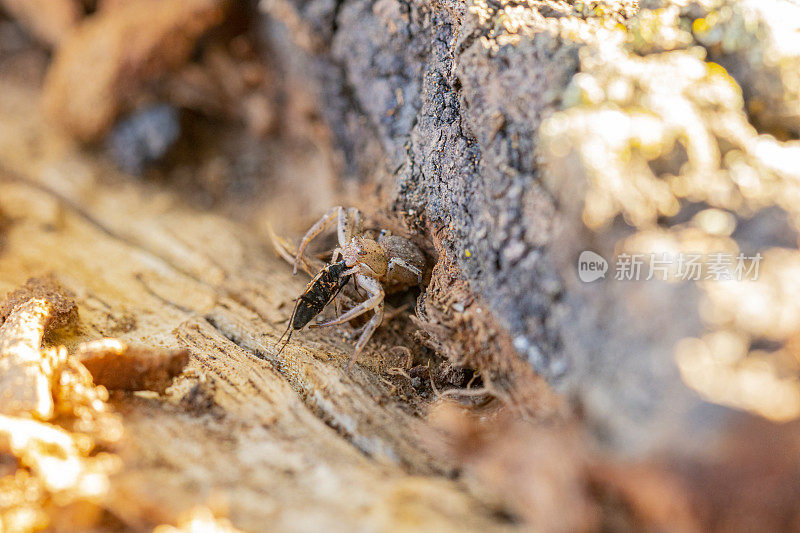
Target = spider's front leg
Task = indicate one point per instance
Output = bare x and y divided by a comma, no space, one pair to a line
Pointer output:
336,213
348,223
375,299
374,302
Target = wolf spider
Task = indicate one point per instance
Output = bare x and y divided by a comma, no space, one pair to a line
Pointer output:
388,263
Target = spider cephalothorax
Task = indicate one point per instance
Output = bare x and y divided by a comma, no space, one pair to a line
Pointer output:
366,255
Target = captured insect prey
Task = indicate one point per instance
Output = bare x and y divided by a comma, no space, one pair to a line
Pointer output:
390,263
318,294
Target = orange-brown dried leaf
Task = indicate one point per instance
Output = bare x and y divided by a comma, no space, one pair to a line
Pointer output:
51,21
101,67
115,365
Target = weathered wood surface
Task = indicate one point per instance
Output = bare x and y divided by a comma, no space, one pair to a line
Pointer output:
277,441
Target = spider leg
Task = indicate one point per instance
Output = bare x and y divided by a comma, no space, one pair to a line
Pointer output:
355,287
337,306
326,220
369,329
350,271
411,268
349,225
281,247
375,299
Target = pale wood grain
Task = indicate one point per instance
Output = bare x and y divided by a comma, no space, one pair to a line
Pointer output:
283,441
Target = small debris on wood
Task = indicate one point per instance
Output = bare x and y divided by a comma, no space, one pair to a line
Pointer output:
199,399
26,373
24,380
62,309
117,366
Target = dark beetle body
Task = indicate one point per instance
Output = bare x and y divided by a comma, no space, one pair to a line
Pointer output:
319,293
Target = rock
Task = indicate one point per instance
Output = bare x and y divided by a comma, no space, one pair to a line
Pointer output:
144,137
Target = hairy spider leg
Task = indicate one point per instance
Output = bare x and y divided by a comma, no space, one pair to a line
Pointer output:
376,293
348,223
366,333
326,220
402,263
